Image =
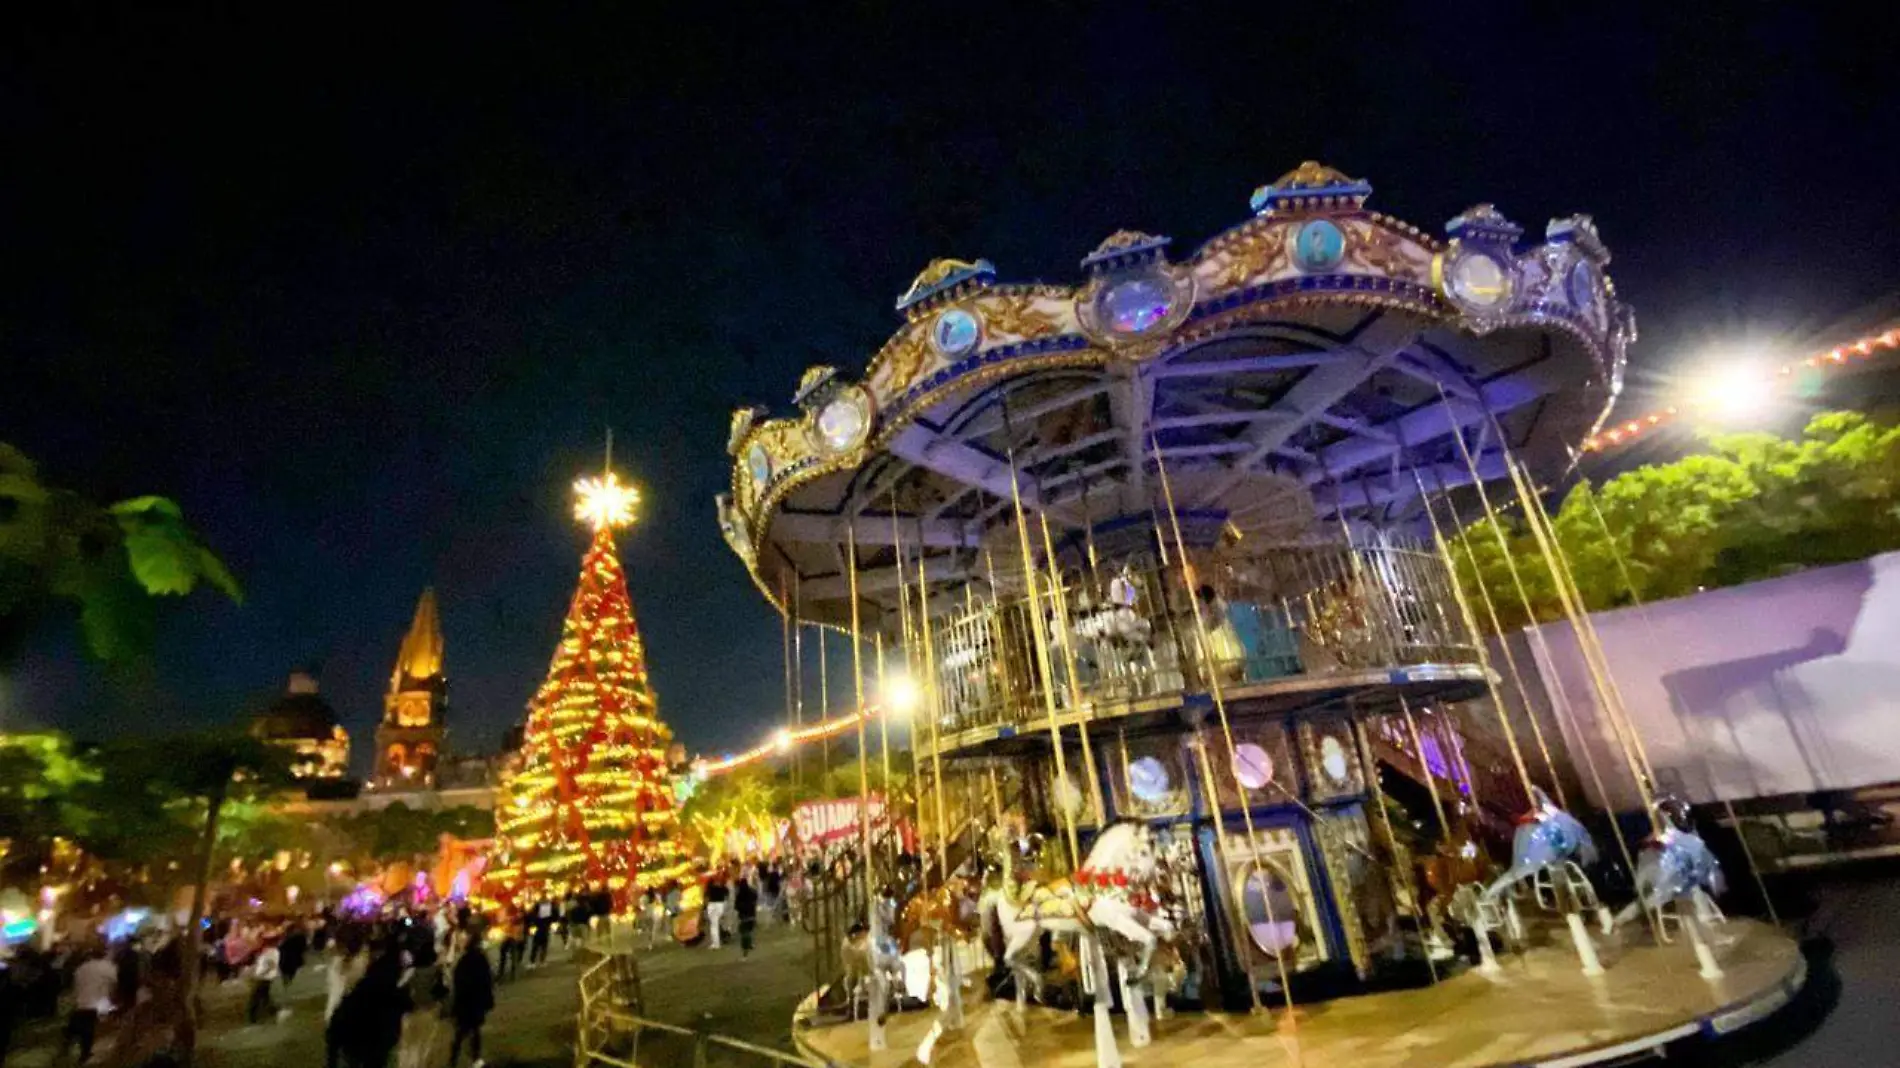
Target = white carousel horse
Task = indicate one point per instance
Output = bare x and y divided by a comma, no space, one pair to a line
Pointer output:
1112,892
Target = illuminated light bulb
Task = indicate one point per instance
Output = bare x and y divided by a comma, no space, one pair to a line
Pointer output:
901,694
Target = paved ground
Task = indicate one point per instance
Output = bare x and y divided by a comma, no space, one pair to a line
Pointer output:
1845,1017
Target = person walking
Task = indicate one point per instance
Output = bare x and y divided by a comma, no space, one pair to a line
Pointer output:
513,943
717,895
292,954
471,997
369,1021
348,963
265,971
543,928
745,903
92,998
424,984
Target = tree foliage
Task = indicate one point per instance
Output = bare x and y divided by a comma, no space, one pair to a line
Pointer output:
59,549
1752,506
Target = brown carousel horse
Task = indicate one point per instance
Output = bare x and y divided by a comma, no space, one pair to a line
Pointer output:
1458,861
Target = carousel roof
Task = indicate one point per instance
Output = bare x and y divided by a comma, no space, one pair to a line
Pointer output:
1314,361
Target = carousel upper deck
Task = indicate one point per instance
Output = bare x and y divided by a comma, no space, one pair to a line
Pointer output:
1178,483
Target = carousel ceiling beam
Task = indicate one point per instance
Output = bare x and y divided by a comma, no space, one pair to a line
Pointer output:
1131,405
1431,421
869,529
1375,347
1361,494
966,464
1433,369
1239,365
878,580
990,419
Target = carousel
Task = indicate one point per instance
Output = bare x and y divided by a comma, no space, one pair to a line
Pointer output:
1209,736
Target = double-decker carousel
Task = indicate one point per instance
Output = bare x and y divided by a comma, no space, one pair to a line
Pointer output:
1208,721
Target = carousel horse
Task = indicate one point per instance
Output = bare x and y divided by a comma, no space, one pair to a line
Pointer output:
1547,839
1113,892
1677,867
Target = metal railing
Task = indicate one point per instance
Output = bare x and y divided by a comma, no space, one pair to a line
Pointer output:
1311,609
611,1033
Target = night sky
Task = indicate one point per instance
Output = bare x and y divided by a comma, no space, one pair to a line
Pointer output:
363,296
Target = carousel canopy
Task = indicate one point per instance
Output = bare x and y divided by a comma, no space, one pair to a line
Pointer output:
1313,362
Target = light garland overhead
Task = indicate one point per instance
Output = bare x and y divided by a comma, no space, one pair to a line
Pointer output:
1626,431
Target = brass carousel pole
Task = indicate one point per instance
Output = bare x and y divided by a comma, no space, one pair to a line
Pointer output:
931,708
798,677
872,905
1060,594
1215,690
1649,627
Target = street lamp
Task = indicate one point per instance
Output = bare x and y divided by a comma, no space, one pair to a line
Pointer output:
1736,393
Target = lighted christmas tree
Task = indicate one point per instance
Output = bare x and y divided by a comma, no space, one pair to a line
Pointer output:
590,804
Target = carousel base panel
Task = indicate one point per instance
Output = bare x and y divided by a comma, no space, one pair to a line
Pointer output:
1540,1010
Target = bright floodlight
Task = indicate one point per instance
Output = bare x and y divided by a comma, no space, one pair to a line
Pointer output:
1737,393
783,740
900,694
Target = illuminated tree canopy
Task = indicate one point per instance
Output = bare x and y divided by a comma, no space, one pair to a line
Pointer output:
1753,506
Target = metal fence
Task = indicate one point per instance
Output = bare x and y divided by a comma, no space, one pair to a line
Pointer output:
612,1033
1141,627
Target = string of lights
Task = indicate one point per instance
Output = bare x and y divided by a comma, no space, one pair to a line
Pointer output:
782,741
1626,431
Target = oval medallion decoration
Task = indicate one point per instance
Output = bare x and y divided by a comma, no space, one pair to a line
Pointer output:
1479,282
759,466
1318,245
956,332
845,421
1148,780
1252,765
1137,304
1332,760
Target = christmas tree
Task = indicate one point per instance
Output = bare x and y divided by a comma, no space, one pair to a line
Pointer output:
590,804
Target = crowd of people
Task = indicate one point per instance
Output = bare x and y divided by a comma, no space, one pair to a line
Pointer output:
407,987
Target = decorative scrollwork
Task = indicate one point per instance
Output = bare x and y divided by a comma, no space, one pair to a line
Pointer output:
1381,250
897,366
1019,317
1250,255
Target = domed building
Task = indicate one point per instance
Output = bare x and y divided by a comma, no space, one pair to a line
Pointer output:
304,723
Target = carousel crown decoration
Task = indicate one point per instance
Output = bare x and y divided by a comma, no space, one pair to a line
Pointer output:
1579,232
942,280
1483,224
818,385
1311,186
743,420
1124,248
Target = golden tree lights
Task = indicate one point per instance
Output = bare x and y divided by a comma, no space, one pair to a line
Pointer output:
591,805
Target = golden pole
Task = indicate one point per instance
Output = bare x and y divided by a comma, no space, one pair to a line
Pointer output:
1206,649
1041,657
824,704
1477,641
864,801
1728,806
1591,655
1431,781
798,689
1060,593
931,707
1566,581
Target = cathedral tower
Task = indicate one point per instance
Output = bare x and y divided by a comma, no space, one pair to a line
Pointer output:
410,738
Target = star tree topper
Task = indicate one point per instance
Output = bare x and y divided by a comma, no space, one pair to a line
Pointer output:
604,503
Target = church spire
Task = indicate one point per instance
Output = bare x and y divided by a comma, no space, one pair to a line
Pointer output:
421,657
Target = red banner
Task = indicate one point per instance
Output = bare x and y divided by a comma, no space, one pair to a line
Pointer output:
829,822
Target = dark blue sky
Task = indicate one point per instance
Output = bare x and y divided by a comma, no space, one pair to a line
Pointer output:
363,295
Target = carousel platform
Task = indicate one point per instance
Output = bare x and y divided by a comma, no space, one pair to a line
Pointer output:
1541,1011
